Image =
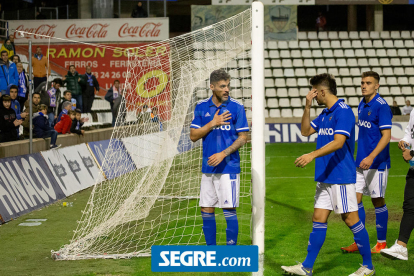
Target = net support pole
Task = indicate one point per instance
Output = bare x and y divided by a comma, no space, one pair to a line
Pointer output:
30,100
258,123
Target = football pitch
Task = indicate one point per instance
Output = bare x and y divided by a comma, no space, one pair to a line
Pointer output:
288,215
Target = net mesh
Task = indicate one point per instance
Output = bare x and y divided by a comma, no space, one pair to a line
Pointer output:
153,200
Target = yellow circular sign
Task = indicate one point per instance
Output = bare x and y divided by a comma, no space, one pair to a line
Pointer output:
162,78
385,2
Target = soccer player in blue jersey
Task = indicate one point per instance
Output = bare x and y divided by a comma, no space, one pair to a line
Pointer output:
335,173
373,156
221,122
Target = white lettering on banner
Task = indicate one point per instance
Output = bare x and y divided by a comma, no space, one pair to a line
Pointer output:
37,169
31,188
194,258
5,195
364,123
10,195
18,190
92,30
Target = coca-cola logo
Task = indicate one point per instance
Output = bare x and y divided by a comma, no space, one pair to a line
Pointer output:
40,32
149,29
97,30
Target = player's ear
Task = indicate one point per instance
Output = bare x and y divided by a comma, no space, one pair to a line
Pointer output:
377,86
211,86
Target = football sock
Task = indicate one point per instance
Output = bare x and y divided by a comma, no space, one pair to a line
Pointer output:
381,214
362,240
232,229
209,227
316,240
361,212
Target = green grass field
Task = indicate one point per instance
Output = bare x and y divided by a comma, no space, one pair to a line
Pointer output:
289,207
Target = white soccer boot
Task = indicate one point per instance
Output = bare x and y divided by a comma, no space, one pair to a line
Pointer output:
364,271
297,270
395,252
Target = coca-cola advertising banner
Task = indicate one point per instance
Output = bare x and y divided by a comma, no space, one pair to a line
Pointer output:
91,30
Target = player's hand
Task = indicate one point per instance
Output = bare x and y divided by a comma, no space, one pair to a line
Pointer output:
406,155
304,160
17,122
366,163
311,95
402,144
222,119
216,159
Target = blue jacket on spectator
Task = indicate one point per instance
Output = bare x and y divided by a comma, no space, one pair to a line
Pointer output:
40,124
15,105
8,75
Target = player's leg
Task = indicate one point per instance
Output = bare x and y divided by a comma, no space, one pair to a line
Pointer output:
228,191
377,188
322,209
208,202
344,197
360,186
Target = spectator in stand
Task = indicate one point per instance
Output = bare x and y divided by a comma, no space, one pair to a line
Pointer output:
155,118
23,85
8,47
50,96
15,105
139,11
67,97
73,83
35,108
407,108
111,95
11,37
15,59
66,106
395,109
320,23
88,94
64,125
40,67
119,108
41,127
77,123
8,121
8,73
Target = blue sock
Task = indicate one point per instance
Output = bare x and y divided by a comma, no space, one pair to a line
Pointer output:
232,229
362,240
209,227
361,212
316,240
381,214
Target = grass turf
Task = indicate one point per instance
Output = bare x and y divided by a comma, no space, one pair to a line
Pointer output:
289,207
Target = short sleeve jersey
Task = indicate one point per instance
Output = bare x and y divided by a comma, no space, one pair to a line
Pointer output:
372,118
221,137
337,167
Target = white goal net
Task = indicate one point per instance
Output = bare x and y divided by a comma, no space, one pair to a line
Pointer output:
150,196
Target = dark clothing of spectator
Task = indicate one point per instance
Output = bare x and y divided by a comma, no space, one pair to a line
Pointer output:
73,101
42,129
64,125
74,84
8,75
395,110
8,131
26,123
45,97
76,127
23,92
110,97
88,94
13,46
139,12
119,108
41,16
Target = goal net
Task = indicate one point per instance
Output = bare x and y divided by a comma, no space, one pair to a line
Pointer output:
151,193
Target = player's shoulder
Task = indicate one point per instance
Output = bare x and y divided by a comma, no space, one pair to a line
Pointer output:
344,110
380,101
235,102
343,106
202,102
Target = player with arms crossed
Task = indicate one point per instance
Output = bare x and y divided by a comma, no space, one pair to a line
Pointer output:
221,122
335,173
373,156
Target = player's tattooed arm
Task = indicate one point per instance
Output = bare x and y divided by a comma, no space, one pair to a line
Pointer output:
240,141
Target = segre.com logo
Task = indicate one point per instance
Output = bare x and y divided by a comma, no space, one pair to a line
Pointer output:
172,258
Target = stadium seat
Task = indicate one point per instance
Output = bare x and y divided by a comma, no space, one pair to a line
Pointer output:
322,35
319,62
297,112
403,81
391,53
340,92
356,44
409,71
235,93
350,91
344,72
312,36
293,92
355,72
308,63
355,111
395,90
302,82
406,62
382,53
284,54
286,113
306,53
341,62
310,72
333,35
297,63
272,45
248,113
327,53
363,62
303,91
411,52
336,44
378,70
289,73
275,63
295,102
406,90
400,100
274,54
269,83
266,113
282,92
247,103
210,54
388,100
274,113
343,35
235,83
347,82
246,83
267,63
399,44
286,63
395,34
317,54
282,44
357,81
384,62
367,44
295,54
293,45
272,103
405,34
198,54
314,45
333,71
302,36
387,71
330,62
369,53
409,43
291,82
395,62
346,44
300,72
378,44
398,71
280,83
325,44
278,73
338,81
338,53
374,35
392,81
388,44
364,35
353,35
373,62
349,53
284,102
270,92
385,35
304,44
267,73
353,101
384,90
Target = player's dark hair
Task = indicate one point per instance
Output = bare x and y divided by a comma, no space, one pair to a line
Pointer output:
66,92
78,111
14,87
58,81
373,74
326,80
218,75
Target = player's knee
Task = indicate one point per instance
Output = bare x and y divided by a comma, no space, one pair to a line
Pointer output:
207,209
378,202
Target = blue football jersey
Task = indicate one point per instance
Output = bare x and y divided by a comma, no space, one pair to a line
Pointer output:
372,118
221,137
337,167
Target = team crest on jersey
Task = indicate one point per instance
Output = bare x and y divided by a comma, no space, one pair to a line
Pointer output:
369,112
330,118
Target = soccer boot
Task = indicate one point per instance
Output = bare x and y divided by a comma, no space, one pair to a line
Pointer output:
350,249
297,270
377,248
364,271
395,252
